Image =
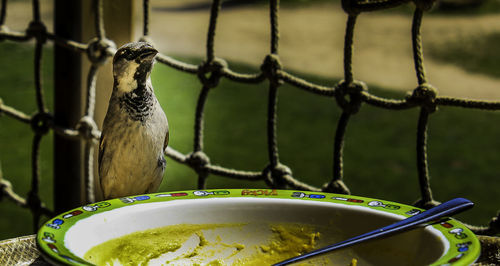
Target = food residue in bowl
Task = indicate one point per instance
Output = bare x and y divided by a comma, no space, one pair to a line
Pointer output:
209,244
287,241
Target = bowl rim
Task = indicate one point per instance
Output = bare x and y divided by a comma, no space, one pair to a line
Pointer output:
463,247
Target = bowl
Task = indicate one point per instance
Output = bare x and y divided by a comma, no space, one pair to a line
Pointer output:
252,226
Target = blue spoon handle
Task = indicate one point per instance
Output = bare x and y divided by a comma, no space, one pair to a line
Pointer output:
445,209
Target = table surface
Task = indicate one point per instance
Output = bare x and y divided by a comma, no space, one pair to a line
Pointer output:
23,251
20,251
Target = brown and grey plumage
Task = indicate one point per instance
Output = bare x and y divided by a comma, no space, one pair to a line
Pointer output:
135,129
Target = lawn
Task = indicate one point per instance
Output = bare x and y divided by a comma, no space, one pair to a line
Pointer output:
379,149
17,90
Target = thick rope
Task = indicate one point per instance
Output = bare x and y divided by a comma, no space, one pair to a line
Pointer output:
36,10
91,87
273,13
99,19
3,12
337,185
146,10
349,94
38,75
272,138
348,48
418,55
199,119
214,14
33,201
422,167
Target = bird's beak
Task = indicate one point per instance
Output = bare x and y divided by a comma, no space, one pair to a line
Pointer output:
148,54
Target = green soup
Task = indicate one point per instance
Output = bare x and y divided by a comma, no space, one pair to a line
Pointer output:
207,244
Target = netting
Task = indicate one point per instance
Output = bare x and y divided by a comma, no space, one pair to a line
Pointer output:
350,94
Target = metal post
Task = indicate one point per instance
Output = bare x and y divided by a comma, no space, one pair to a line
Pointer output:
68,177
75,20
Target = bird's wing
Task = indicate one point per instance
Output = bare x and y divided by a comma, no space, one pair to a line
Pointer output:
155,184
167,137
102,149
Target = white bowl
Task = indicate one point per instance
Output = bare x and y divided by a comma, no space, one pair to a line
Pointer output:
69,236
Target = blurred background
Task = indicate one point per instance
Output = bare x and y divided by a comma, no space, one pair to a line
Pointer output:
460,37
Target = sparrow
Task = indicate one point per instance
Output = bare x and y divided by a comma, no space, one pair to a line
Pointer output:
135,129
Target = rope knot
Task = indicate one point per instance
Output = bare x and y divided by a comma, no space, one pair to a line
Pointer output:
350,7
41,122
198,161
274,176
424,5
271,68
87,128
426,204
210,73
424,95
336,186
97,50
494,224
37,30
349,95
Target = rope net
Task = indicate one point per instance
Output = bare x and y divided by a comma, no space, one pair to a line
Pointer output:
350,94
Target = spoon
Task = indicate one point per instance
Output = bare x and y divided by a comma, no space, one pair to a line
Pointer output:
445,209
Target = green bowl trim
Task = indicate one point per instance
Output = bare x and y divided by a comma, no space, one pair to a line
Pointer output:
464,247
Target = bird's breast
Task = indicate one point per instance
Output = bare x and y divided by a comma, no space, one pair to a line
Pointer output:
138,104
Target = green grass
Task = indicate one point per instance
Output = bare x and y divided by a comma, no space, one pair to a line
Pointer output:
379,146
17,90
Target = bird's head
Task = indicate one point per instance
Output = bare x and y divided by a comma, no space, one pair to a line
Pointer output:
132,65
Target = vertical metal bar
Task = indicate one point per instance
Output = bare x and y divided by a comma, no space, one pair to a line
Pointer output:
68,86
75,20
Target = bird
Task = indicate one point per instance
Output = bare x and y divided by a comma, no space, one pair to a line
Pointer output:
135,129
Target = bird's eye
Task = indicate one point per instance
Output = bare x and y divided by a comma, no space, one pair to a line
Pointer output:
125,54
